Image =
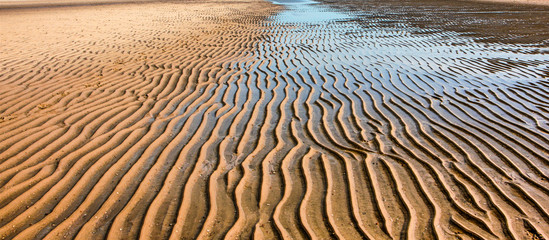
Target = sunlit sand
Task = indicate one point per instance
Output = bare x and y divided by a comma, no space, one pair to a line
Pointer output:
287,119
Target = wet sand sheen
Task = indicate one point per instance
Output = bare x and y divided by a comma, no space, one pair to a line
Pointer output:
238,119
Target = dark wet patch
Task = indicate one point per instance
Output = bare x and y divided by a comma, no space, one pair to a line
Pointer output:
486,22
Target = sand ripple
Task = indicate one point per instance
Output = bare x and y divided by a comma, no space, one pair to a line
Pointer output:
247,119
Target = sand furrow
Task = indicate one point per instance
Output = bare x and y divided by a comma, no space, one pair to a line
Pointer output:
295,120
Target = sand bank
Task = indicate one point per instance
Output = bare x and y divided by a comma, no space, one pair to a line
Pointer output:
14,4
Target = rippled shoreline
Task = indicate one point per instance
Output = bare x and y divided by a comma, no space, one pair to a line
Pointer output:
298,119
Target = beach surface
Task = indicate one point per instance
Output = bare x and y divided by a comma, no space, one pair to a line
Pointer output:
530,2
22,4
274,120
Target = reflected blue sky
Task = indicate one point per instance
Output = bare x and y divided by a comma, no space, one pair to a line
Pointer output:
334,37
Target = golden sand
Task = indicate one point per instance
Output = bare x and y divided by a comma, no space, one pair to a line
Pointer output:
239,119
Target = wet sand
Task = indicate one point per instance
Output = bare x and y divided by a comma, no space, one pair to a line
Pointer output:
239,119
529,2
